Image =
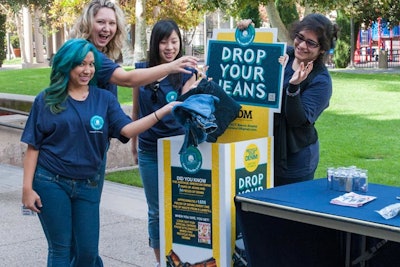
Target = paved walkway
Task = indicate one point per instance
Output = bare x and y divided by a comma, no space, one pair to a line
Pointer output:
123,237
11,67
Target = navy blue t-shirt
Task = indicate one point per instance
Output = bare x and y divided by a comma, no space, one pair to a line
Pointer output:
72,143
148,103
104,74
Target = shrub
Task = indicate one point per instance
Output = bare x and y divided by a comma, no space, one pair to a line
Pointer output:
341,56
3,18
14,41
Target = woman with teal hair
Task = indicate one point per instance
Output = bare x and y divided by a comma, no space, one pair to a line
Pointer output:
67,133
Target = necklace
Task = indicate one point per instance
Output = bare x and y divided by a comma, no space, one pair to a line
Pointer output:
78,94
85,95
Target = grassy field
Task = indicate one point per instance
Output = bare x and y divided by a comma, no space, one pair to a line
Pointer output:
359,128
32,81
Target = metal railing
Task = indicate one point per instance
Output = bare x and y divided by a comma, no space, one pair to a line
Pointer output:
370,59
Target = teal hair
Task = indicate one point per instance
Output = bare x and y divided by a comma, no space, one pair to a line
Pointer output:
71,54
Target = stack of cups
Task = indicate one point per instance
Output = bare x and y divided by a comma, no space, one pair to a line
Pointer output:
347,179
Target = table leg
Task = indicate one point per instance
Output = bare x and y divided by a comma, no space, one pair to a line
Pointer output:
348,248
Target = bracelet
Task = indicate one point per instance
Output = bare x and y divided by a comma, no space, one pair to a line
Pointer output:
155,115
293,94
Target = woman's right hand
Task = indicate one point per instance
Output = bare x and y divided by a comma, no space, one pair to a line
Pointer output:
180,64
31,200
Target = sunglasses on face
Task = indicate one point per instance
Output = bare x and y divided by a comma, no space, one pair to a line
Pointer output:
154,97
310,43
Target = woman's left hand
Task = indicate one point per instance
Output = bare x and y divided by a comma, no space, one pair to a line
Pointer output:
283,60
201,75
301,73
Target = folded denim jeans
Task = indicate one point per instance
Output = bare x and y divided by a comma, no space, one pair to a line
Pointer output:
196,114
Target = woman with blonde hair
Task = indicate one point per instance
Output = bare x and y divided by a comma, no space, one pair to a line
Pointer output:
102,23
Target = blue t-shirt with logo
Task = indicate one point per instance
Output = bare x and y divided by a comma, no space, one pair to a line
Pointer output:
151,100
104,74
72,143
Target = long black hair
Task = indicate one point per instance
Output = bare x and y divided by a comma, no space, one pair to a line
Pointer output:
161,30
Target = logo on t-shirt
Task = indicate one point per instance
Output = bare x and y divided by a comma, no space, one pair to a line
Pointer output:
171,96
96,122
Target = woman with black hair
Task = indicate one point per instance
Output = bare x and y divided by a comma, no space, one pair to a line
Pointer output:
307,89
165,46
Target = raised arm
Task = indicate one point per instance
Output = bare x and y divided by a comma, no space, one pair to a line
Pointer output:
138,77
136,127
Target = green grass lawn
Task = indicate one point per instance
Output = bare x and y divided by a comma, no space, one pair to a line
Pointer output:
359,127
32,81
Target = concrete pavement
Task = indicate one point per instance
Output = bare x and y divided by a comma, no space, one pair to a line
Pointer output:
123,233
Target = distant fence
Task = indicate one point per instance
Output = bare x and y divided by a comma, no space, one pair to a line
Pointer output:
369,58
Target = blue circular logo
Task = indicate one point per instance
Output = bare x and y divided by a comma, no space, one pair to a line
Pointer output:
245,37
96,122
171,96
191,160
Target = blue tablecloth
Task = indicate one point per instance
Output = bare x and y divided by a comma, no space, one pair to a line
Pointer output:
315,196
276,242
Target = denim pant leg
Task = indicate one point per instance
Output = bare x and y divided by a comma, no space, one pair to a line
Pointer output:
148,169
86,222
70,213
100,190
55,217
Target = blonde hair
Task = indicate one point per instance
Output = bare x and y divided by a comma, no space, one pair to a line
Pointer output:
84,26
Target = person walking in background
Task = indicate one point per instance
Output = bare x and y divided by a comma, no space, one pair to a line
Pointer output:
307,89
67,133
165,47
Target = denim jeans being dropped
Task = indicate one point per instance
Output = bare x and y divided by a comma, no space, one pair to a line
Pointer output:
148,169
70,218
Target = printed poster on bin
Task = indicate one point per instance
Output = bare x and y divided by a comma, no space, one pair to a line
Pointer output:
245,64
197,188
197,216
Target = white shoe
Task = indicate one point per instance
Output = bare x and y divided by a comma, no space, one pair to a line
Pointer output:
157,264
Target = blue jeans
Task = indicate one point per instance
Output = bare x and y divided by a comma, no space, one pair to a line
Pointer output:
70,218
148,168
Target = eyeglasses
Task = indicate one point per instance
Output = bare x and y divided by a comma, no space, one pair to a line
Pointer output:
310,43
154,97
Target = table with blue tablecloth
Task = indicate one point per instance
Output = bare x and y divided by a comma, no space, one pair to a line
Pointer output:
296,225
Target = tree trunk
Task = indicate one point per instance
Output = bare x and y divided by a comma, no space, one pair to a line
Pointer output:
276,22
37,31
26,44
140,48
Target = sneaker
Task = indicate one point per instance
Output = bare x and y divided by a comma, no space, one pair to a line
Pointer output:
157,264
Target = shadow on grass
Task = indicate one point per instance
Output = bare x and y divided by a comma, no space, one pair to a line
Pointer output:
347,140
